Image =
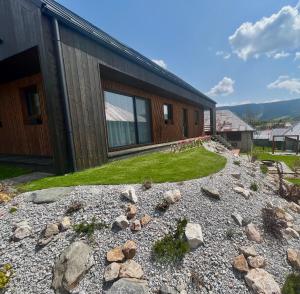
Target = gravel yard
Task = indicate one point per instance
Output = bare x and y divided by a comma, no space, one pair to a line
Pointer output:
211,263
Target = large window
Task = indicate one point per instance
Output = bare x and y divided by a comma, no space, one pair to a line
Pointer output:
128,120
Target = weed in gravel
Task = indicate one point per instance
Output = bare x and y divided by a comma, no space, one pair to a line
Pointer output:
254,187
272,223
292,284
75,206
86,228
172,247
197,280
237,162
13,209
162,206
147,184
230,233
5,275
264,169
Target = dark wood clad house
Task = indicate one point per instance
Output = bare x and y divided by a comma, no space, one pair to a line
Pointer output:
72,93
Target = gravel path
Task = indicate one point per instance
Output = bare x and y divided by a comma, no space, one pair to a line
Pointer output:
211,262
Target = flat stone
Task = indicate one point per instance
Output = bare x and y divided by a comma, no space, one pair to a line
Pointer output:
129,249
50,231
244,192
165,289
22,231
290,233
71,267
193,233
111,272
131,269
252,233
146,219
236,175
172,196
50,195
130,194
129,286
237,218
248,251
131,211
115,254
293,256
257,261
261,282
136,226
122,222
240,263
212,192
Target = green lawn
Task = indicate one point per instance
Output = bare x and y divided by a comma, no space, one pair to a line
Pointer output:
289,160
158,167
7,171
294,181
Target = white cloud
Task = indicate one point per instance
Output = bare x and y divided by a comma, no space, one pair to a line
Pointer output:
286,83
225,55
281,54
297,55
276,34
160,62
224,88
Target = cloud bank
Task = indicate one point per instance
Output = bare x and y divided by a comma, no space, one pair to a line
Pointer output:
224,88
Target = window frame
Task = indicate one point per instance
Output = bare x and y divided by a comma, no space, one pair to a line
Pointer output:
30,119
169,108
134,97
197,118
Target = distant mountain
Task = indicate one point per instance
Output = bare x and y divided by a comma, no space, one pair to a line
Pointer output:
288,109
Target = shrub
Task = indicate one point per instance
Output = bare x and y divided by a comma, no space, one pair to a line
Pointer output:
5,275
264,169
172,247
237,162
292,284
13,209
272,223
162,206
253,187
75,206
86,228
147,184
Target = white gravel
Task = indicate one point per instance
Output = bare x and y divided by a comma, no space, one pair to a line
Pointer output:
211,262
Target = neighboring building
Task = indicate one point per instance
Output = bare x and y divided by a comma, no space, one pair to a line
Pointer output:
237,132
293,138
74,94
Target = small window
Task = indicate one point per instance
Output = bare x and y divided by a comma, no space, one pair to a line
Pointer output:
168,113
31,106
234,136
197,118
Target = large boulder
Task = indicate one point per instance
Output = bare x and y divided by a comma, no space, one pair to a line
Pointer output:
129,193
115,254
261,282
193,233
172,196
71,266
129,286
240,263
49,195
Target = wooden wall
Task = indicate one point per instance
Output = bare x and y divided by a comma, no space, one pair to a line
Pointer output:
15,136
162,132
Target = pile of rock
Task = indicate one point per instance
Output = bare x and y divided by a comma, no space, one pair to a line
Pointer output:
252,264
122,266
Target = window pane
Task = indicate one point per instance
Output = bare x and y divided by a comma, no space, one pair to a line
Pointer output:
143,120
120,119
166,112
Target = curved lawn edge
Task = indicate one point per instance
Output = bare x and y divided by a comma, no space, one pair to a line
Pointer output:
159,167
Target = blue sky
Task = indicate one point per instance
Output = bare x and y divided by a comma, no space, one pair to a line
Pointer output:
235,51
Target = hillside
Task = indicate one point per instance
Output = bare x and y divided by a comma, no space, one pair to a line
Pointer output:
289,109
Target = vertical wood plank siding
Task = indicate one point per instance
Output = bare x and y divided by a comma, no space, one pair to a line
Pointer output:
162,132
15,136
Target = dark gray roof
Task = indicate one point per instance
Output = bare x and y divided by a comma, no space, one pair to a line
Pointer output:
75,21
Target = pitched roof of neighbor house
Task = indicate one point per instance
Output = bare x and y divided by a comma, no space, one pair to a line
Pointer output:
294,130
227,121
53,8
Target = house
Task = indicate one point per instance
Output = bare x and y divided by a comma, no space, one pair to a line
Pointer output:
292,138
71,93
237,132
